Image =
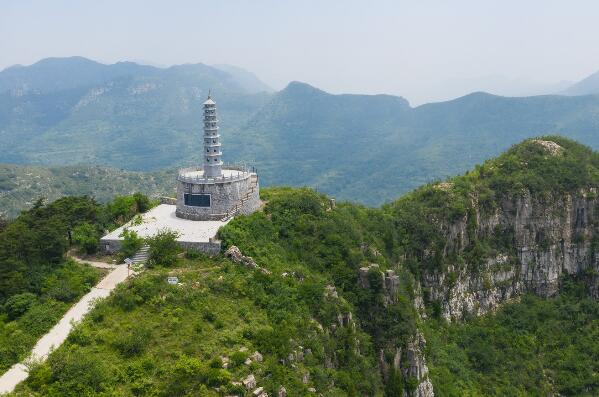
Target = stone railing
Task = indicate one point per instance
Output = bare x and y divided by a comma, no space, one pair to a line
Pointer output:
243,172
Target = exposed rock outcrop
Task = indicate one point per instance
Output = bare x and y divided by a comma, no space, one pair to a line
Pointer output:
415,368
547,238
236,256
389,281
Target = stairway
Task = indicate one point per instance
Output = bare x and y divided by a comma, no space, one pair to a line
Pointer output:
237,207
141,256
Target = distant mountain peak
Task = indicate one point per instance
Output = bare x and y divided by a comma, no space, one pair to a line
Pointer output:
586,86
247,79
63,73
301,87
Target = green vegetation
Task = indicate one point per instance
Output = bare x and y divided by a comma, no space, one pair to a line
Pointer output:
86,236
163,248
318,319
130,245
20,186
37,282
37,285
534,347
142,118
168,340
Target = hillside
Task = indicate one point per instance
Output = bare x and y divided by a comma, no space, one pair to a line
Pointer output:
483,284
123,115
365,148
587,86
373,148
22,186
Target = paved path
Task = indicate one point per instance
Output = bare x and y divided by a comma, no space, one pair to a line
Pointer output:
98,264
54,338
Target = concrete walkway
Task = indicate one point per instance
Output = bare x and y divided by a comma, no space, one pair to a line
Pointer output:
57,335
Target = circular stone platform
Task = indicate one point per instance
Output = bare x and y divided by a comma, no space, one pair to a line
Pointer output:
204,198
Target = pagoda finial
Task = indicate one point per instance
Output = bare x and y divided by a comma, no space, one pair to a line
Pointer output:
209,93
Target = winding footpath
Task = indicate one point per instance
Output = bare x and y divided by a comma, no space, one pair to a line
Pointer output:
57,335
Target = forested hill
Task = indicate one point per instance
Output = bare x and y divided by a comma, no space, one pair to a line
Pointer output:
21,186
364,148
65,111
482,284
371,149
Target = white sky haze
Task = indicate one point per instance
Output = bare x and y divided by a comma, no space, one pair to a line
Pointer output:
423,50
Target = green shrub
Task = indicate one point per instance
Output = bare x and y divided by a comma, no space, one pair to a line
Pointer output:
164,248
75,373
217,377
87,237
131,244
192,253
133,341
18,304
238,358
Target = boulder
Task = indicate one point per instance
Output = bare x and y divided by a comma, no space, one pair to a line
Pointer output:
257,357
249,382
282,392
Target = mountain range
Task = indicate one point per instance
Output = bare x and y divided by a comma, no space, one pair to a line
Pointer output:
364,148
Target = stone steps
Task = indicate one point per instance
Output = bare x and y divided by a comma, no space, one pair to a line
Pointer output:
142,255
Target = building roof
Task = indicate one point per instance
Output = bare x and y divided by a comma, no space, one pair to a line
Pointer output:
209,101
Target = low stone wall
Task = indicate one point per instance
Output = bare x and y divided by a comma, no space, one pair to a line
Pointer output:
252,204
168,200
212,247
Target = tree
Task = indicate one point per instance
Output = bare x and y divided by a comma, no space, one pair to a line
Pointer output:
164,248
86,236
131,243
18,304
142,202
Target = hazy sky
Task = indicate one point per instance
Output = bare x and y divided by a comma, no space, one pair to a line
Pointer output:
422,50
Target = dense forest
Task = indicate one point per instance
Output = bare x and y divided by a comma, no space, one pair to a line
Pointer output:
334,296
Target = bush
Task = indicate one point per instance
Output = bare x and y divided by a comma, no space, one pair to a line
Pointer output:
75,373
69,281
218,377
18,304
86,236
133,342
142,202
194,254
164,248
238,358
131,244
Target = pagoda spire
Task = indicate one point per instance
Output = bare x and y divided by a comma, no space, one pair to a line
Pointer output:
212,153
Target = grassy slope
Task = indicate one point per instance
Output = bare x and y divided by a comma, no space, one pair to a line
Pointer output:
151,338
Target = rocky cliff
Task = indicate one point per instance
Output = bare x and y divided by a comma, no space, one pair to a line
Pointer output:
547,236
518,224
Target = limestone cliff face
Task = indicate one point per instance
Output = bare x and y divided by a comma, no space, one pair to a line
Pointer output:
415,368
409,360
546,238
